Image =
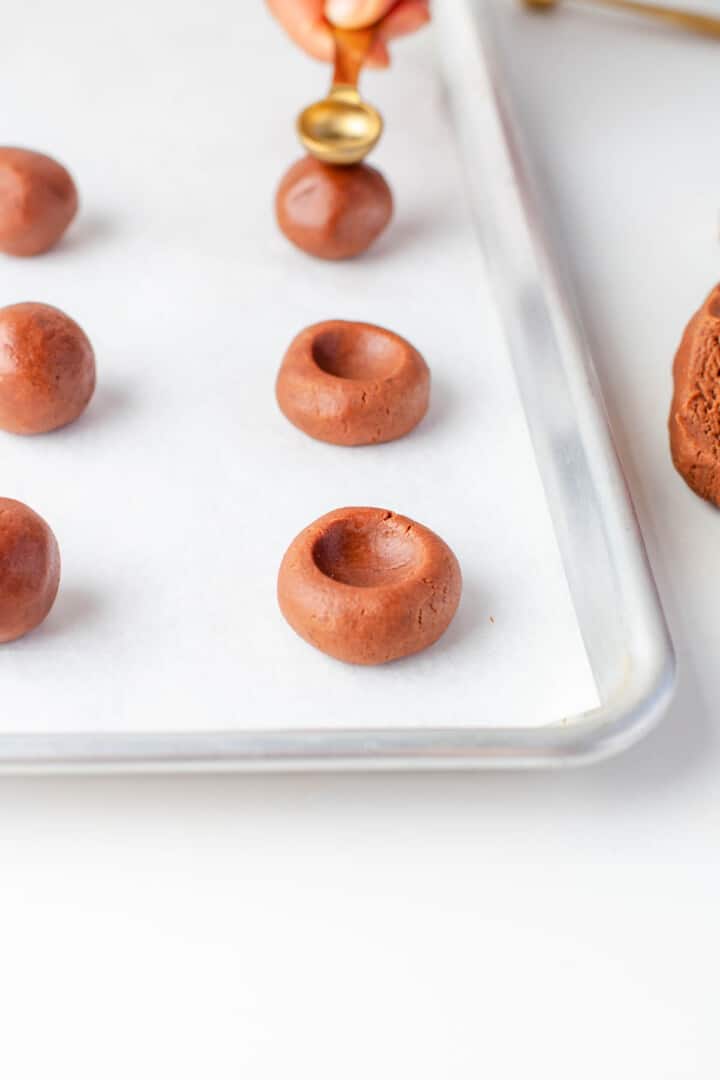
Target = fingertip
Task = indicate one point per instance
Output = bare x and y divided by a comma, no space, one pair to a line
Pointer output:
408,18
378,57
320,47
303,21
316,38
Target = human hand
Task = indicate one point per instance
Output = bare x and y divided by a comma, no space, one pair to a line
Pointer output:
308,22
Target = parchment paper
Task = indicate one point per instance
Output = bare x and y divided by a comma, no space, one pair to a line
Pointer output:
175,496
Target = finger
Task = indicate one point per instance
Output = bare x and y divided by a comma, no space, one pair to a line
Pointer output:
405,18
353,14
305,23
378,57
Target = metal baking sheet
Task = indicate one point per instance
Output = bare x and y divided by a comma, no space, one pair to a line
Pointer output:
174,498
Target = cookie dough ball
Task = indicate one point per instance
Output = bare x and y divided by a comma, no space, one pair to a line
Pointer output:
333,211
38,200
29,569
695,412
353,384
47,369
367,586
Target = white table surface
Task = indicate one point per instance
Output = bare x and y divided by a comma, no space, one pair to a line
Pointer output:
506,926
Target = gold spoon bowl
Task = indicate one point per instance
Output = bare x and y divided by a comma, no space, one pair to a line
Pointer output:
341,129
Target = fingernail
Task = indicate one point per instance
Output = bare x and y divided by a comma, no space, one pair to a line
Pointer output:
351,13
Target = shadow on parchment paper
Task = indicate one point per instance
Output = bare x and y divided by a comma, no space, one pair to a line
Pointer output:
409,232
109,404
86,231
472,614
75,606
444,402
110,400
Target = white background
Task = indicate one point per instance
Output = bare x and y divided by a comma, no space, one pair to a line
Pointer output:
507,926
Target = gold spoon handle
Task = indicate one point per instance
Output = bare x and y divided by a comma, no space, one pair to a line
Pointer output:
687,20
351,49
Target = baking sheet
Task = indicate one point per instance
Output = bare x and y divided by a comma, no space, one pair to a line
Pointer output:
176,495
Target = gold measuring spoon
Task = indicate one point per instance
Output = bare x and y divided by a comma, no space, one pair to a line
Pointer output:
342,128
686,20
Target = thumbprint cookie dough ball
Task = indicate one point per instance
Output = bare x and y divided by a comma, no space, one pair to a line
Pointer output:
38,200
29,569
353,384
366,585
47,369
333,211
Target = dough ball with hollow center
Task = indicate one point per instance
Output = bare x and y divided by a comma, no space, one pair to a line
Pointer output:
353,383
366,586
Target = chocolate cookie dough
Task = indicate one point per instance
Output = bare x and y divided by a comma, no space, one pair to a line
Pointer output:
29,569
333,211
367,586
695,412
47,369
38,200
352,383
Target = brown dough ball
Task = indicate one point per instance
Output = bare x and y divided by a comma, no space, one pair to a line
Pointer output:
352,383
367,586
333,211
29,569
47,369
38,200
695,412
